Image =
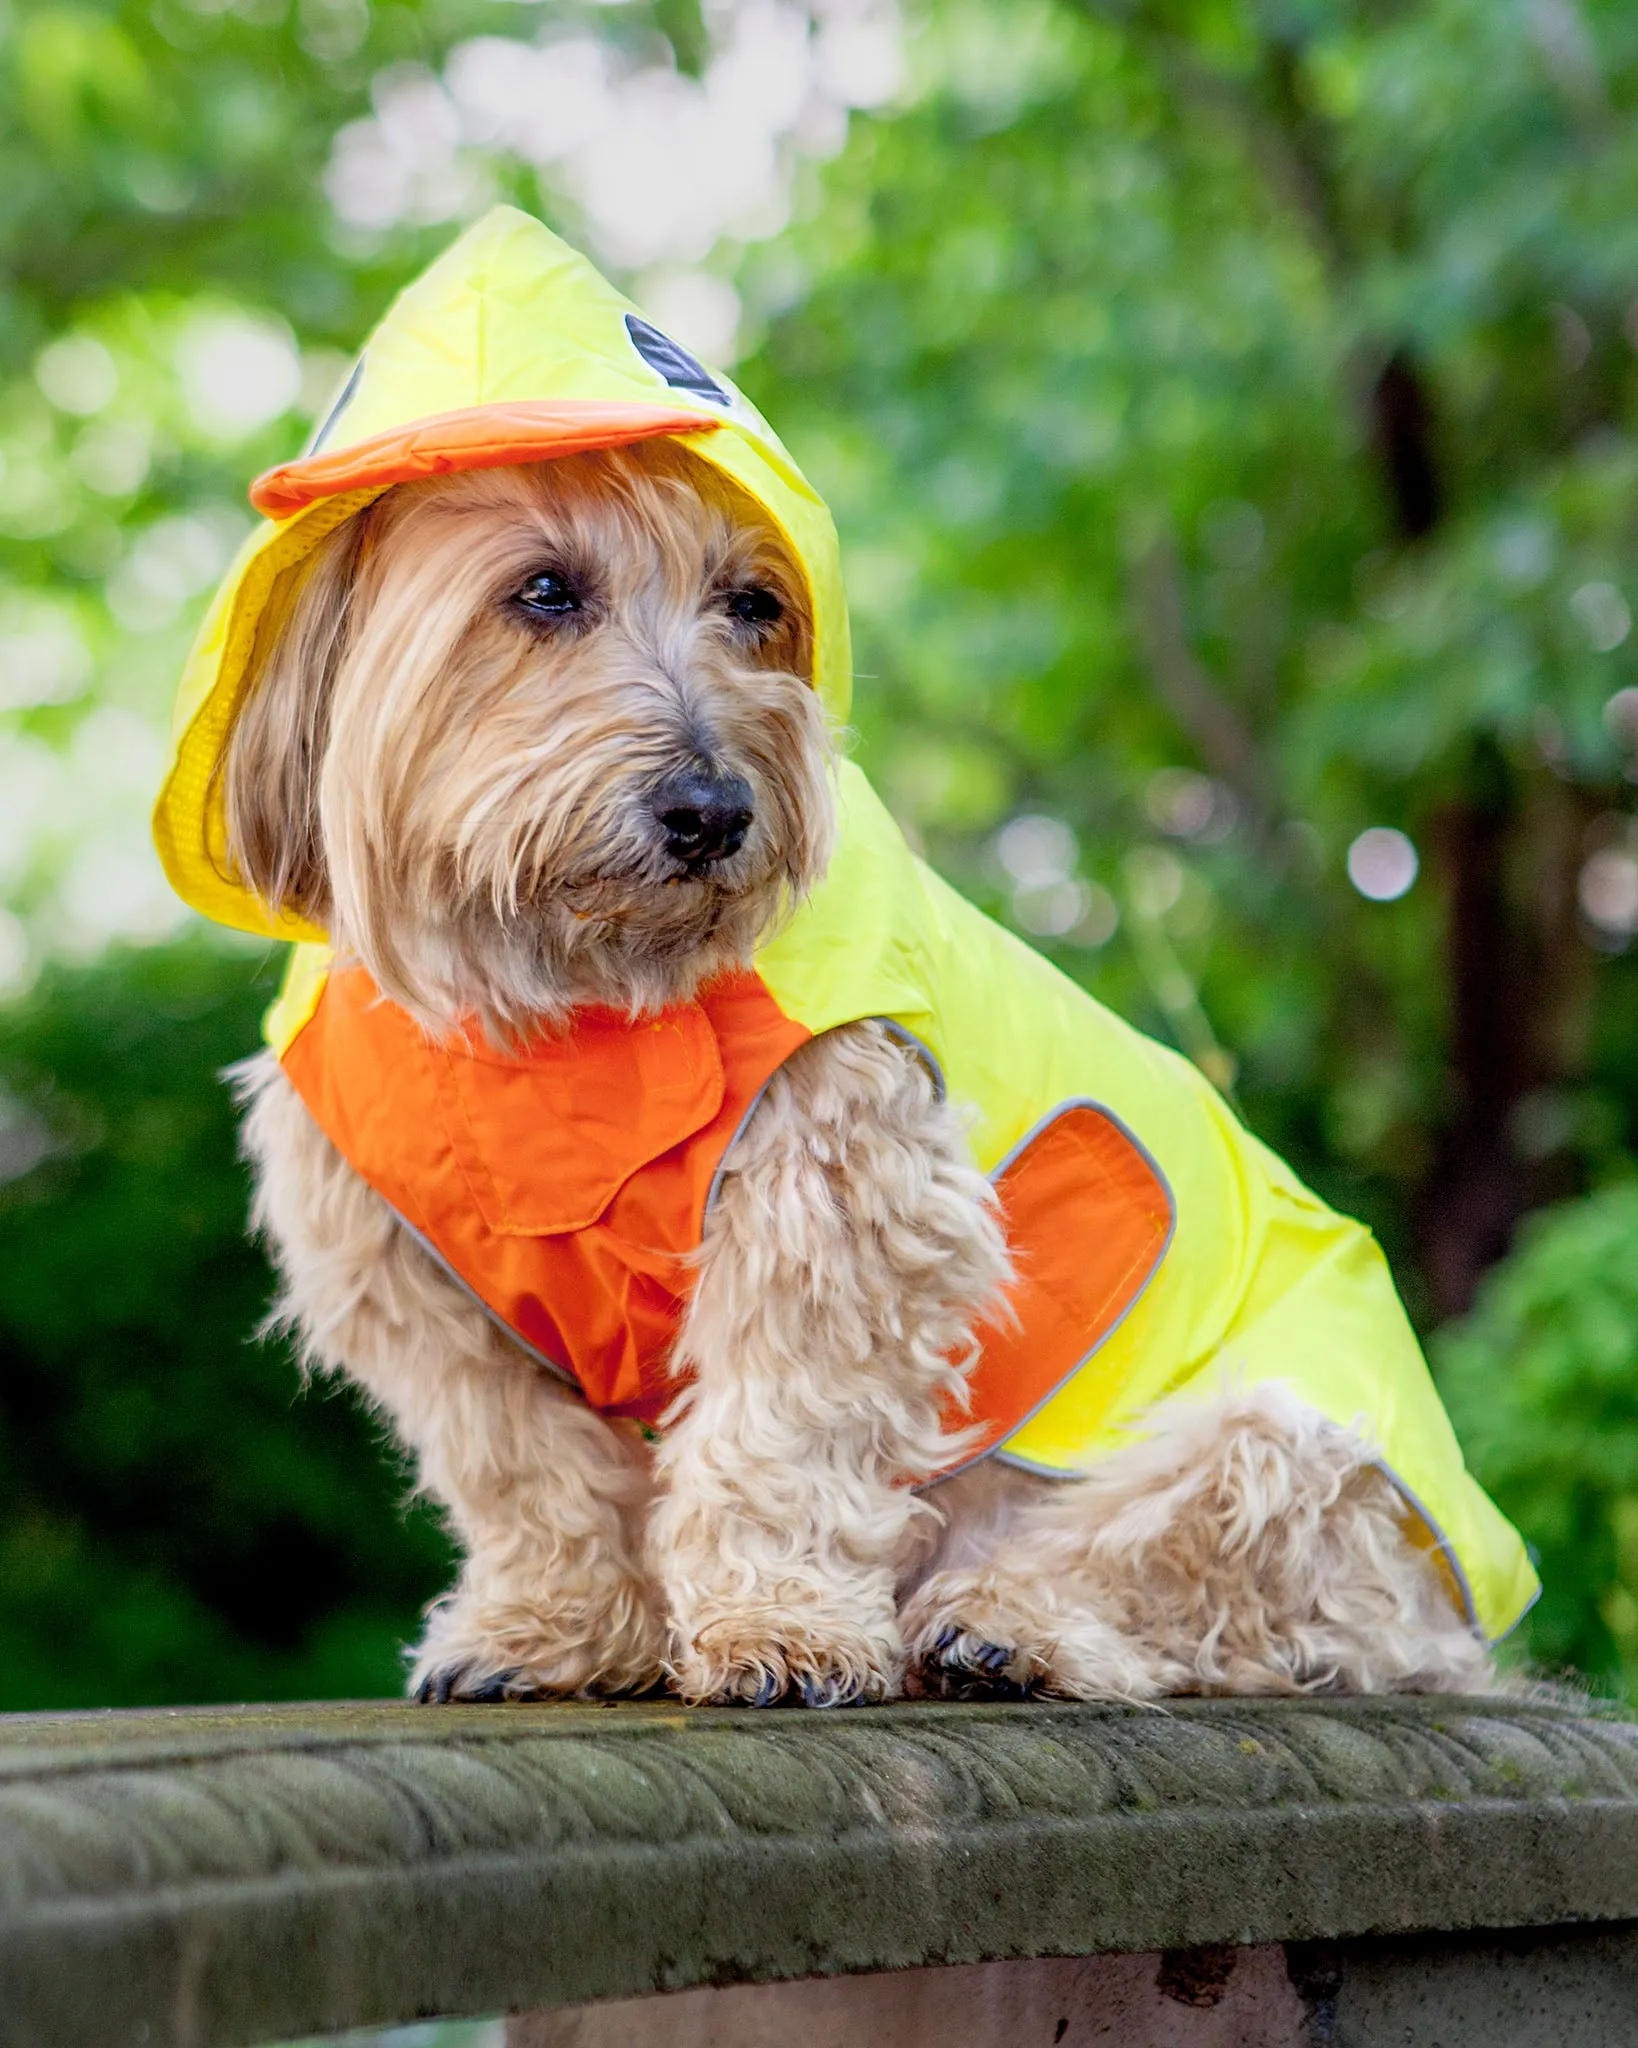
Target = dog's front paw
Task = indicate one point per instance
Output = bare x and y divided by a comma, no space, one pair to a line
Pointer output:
764,1661
473,1654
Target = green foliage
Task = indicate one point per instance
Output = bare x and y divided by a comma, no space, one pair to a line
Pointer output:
178,1520
1542,1383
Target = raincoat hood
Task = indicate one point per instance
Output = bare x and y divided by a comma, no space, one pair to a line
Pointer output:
510,348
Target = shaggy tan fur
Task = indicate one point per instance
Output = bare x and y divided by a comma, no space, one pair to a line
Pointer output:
459,797
1245,1546
462,794
545,1499
783,1518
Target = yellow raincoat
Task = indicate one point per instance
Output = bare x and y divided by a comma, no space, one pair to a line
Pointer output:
511,348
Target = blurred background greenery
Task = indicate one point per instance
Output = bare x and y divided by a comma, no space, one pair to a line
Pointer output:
1231,412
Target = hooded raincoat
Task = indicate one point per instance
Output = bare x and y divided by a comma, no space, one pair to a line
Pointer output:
1162,1250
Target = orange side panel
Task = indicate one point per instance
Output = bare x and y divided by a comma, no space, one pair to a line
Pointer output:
477,437
1089,1216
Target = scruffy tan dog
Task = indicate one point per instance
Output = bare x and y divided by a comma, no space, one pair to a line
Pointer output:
538,737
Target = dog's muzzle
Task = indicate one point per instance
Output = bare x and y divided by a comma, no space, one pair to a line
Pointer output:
704,815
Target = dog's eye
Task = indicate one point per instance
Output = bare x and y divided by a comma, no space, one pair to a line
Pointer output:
549,596
753,606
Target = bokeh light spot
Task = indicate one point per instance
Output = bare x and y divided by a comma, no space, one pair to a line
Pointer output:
1050,910
1382,864
1603,614
77,374
1621,718
237,372
1607,890
1037,852
1154,880
1186,805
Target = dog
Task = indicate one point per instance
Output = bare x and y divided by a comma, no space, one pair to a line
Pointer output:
539,742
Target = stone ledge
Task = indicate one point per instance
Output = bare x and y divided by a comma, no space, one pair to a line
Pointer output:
219,1878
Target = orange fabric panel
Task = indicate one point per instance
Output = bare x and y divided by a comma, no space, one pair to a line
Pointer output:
1089,1216
654,1107
546,1140
477,437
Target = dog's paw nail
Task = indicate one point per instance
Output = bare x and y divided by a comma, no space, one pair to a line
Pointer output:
490,1692
453,1688
769,1692
961,1665
830,1692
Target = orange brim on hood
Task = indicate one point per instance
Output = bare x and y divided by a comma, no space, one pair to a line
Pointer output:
479,437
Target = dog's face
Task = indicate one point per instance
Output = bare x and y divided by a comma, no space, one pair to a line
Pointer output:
531,737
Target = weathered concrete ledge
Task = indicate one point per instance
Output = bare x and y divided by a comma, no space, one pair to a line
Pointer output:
220,1878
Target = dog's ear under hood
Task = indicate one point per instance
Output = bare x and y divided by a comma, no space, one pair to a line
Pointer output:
510,348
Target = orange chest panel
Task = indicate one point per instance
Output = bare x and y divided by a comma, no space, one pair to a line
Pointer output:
566,1184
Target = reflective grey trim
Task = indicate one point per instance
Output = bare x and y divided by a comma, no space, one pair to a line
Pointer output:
1091,1102
1518,1621
499,1321
1447,1550
349,391
1040,1471
1441,1542
751,1109
894,1031
1023,1145
924,1052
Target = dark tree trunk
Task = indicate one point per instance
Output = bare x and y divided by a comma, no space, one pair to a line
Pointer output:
1478,1187
1402,432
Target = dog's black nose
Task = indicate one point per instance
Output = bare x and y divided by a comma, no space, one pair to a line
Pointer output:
705,816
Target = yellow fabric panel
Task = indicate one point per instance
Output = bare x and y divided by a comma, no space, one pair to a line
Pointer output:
305,974
188,825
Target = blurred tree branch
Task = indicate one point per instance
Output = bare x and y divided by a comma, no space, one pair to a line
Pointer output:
1271,108
1220,735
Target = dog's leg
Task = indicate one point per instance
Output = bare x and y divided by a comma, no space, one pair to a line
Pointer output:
1246,1545
545,1499
851,1246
